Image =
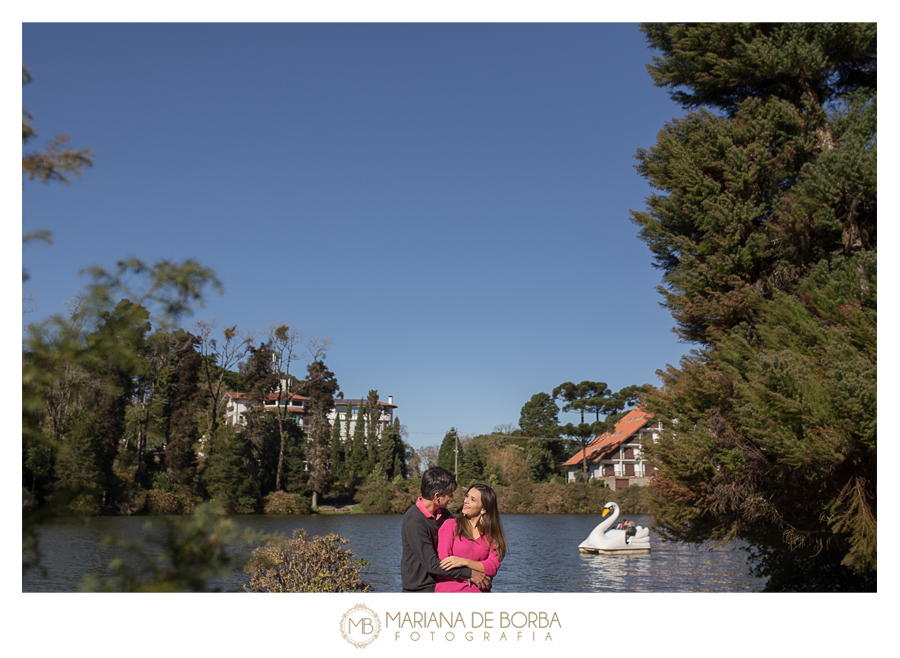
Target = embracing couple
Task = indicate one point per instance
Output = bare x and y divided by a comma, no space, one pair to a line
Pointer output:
443,554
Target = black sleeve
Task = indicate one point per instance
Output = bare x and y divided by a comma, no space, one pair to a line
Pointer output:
419,541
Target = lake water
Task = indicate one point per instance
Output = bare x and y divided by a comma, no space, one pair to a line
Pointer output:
543,556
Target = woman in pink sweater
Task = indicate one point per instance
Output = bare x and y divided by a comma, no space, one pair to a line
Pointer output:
474,539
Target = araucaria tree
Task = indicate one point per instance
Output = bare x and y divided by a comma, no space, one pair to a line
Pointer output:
764,227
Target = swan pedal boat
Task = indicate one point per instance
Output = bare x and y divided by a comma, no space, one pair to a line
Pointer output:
603,540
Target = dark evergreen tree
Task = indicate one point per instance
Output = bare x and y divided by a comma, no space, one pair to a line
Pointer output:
337,450
358,463
447,455
181,394
259,436
115,349
295,474
321,387
764,226
224,476
373,426
540,417
392,453
80,477
473,461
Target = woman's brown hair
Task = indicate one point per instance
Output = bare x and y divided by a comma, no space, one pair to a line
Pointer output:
489,523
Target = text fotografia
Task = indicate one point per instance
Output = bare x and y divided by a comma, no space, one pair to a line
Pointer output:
481,626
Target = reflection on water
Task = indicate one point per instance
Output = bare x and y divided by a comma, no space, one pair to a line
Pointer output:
543,557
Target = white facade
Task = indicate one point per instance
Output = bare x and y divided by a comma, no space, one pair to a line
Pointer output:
298,407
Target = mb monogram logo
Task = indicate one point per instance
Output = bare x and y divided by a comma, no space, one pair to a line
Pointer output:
360,626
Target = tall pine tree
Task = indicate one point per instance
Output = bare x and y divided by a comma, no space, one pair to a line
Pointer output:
764,226
321,387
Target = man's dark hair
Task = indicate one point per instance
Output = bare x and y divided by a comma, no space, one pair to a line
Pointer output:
437,480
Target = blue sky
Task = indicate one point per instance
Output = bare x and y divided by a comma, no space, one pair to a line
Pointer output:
447,203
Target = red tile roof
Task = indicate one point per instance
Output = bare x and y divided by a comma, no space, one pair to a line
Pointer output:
604,445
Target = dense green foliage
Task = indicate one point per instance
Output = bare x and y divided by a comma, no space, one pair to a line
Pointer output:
522,496
540,417
764,225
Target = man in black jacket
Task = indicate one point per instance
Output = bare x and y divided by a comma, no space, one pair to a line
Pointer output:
419,563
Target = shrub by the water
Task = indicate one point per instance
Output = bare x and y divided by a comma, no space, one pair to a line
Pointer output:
280,502
158,501
306,564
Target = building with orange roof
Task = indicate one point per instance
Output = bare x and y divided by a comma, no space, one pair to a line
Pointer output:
617,456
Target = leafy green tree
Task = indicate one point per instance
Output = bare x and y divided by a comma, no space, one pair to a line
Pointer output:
764,225
540,417
539,420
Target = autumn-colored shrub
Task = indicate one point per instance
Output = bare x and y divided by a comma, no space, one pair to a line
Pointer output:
166,502
306,564
280,502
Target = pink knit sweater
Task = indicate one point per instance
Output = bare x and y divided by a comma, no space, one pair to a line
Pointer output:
479,551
